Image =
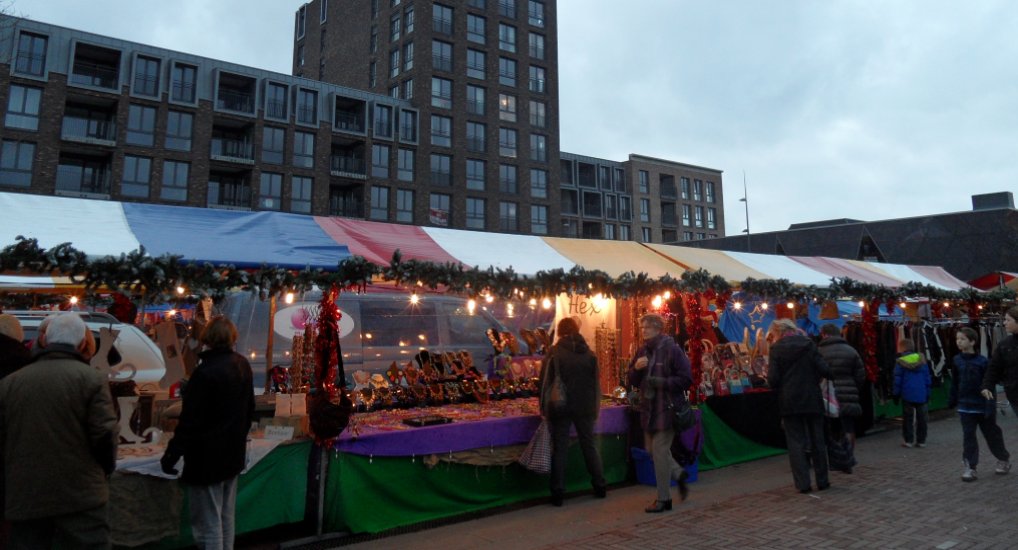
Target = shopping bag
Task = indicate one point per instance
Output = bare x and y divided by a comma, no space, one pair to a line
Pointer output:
830,396
536,456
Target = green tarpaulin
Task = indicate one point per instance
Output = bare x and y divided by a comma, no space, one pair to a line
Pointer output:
723,446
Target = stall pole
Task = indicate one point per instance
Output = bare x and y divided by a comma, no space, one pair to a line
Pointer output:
268,343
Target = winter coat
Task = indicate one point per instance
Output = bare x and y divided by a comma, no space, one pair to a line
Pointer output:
13,355
1003,368
848,372
215,418
912,378
796,368
968,370
662,383
577,365
58,436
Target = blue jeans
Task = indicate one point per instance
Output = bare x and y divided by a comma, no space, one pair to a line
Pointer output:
212,511
915,417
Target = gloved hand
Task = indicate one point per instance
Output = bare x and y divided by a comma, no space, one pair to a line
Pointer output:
167,463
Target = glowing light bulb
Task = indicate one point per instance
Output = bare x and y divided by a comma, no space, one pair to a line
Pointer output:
180,290
171,313
489,298
764,306
790,305
667,295
980,306
509,311
737,306
415,299
288,298
546,303
533,302
656,302
947,304
472,306
862,303
74,300
903,305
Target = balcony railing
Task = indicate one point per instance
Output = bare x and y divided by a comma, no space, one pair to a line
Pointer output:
231,100
441,63
89,130
350,122
146,85
537,85
346,204
346,165
76,180
441,26
182,91
94,74
275,108
307,115
229,195
232,149
408,132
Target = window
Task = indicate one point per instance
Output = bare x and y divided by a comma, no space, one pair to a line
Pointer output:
394,91
625,209
23,108
394,26
372,74
611,207
568,201
645,234
300,194
697,190
475,213
182,83
146,76
479,4
535,13
538,183
383,121
273,144
379,203
441,93
507,37
394,63
604,177
536,42
507,107
141,125
475,100
303,150
405,164
538,219
666,185
16,163
441,56
137,171
441,18
712,214
698,216
506,71
301,22
441,170
475,28
538,114
31,54
408,89
710,192
609,231
374,38
507,142
644,181
307,106
537,79
408,20
684,182
174,181
379,161
507,8
475,174
538,148
441,131
404,206
507,179
645,210
625,233
592,204
275,101
300,55
408,56
475,137
270,191
687,214
324,11
374,9
621,183
475,64
508,220
408,126
438,211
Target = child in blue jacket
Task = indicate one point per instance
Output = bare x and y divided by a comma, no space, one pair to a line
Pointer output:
912,385
973,409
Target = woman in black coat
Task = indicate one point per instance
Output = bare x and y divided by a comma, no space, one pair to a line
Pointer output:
571,360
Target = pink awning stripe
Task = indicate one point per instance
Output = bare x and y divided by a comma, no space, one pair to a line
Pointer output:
843,268
377,241
940,275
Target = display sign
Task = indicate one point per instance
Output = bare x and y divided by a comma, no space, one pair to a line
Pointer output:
591,312
279,432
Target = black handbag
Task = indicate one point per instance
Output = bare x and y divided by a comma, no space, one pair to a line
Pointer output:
683,417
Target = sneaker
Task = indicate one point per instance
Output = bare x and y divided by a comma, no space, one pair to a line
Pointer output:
969,474
906,444
920,445
1003,467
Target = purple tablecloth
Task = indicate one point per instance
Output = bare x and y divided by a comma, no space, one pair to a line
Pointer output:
460,436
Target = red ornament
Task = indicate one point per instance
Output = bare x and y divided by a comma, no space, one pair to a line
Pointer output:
869,339
694,328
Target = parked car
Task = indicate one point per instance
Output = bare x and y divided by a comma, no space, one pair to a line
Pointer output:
131,351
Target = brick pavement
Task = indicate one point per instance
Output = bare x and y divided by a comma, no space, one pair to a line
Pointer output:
897,498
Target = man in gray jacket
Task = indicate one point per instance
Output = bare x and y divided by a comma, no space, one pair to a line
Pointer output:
58,443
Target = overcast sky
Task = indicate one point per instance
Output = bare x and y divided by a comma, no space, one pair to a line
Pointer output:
832,109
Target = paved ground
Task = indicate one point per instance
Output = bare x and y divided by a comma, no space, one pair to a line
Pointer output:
897,498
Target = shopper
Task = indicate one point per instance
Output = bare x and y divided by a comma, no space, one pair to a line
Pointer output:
849,375
1003,367
912,383
571,360
13,353
796,368
58,440
661,371
969,369
216,415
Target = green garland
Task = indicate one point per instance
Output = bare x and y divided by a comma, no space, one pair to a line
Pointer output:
156,279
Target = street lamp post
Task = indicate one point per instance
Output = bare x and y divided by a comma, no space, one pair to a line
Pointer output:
745,199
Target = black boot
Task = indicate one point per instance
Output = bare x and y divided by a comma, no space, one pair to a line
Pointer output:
556,499
683,488
659,506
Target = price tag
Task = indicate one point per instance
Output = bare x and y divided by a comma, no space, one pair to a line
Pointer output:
279,432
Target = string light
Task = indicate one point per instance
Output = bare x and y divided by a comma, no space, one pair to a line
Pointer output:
980,306
415,299
489,298
288,298
668,295
472,306
509,311
737,306
546,303
533,302
764,306
790,305
862,304
181,290
903,305
74,300
656,302
947,304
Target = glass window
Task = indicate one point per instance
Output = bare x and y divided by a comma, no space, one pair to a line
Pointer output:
270,191
507,8
687,214
137,173
508,219
475,64
182,83
697,190
404,206
535,13
625,209
405,164
712,215
324,11
146,76
538,114
303,150
441,92
141,125
684,182
537,79
307,106
507,142
506,71
441,19
408,89
475,28
379,203
408,56
441,170
538,219
16,163
710,192
301,22
394,26
536,42
475,100
698,216
538,183
372,74
408,20
300,194
479,4
475,213
383,121
394,91
23,108
645,234
394,63
273,144
380,161
507,179
174,181
408,125
439,209
31,54
645,210
374,39
644,181
476,137
538,148
441,56
507,37
611,207
507,107
475,174
441,131
275,101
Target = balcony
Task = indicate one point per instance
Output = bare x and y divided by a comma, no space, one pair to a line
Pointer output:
230,100
350,122
91,131
85,180
275,109
93,74
346,202
408,132
347,166
232,150
229,195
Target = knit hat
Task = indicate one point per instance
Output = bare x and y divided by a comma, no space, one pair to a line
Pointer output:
11,327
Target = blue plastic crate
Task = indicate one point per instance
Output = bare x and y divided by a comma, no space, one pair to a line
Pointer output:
645,468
